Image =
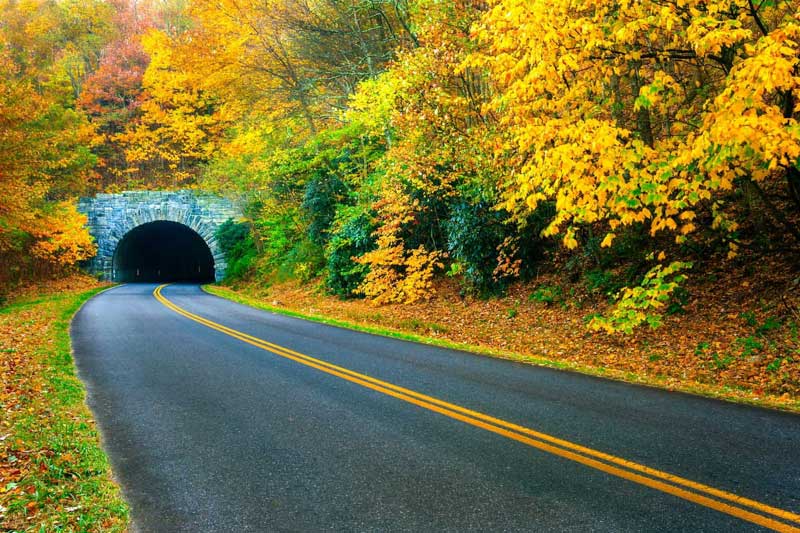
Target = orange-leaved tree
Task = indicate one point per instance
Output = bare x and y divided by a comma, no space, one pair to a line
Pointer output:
44,150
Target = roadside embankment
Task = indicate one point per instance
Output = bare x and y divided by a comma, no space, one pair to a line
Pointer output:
54,475
721,344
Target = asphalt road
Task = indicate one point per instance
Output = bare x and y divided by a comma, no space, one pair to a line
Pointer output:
208,432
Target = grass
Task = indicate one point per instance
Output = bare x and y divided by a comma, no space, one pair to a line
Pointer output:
54,475
709,390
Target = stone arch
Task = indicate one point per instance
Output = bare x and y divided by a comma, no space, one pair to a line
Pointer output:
112,216
204,230
145,216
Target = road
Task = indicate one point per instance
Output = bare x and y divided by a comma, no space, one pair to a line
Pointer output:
220,417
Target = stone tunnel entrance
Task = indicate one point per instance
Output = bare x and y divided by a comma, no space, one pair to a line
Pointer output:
118,217
163,251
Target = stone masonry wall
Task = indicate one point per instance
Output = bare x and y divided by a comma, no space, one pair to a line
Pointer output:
112,216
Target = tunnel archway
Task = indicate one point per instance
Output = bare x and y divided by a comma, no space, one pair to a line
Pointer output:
163,251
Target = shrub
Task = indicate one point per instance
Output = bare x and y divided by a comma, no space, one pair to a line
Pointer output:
546,294
602,281
303,261
474,233
322,194
644,303
236,242
350,237
478,234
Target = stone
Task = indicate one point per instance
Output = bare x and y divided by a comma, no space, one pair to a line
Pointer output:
112,216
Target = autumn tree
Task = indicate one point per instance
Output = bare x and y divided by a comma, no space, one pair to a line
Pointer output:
44,154
433,111
644,113
178,123
368,135
111,95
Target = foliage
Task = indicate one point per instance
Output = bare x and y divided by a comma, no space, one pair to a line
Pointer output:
645,113
641,304
45,143
602,281
278,230
352,237
236,242
179,123
436,114
475,232
547,294
304,262
640,117
112,95
470,136
397,274
322,194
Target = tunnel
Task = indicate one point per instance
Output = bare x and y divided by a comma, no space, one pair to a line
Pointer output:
163,251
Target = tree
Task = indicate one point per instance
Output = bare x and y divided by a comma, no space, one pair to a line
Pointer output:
179,125
46,51
644,112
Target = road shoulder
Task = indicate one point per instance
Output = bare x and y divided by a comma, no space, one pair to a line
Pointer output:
365,322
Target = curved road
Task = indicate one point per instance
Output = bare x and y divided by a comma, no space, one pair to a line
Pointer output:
220,417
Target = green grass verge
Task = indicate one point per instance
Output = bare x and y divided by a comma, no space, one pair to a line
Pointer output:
709,391
64,480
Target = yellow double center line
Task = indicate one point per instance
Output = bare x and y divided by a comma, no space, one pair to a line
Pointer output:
720,500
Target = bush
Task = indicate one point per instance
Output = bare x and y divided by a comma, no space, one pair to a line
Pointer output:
645,302
303,261
351,237
236,242
278,232
474,232
603,282
546,294
477,234
322,194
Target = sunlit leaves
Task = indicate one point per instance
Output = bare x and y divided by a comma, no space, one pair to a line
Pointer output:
640,112
44,142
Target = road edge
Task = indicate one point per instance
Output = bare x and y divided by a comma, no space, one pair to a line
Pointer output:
692,388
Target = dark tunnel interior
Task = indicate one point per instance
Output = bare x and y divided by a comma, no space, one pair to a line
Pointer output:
163,252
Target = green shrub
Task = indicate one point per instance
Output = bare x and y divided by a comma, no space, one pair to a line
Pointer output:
546,294
236,241
351,237
721,362
322,195
304,261
602,282
278,233
644,303
474,232
678,301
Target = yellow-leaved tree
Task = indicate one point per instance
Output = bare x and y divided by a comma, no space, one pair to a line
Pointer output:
179,124
431,113
44,154
644,114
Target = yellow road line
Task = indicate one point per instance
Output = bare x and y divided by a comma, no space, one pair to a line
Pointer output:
542,441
